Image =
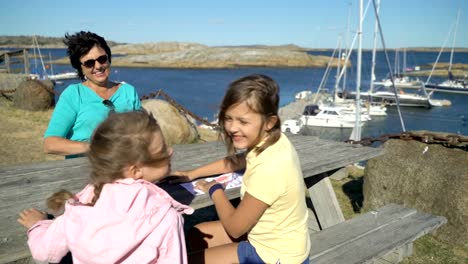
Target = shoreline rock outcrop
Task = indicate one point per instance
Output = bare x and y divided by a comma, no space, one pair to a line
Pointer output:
177,127
193,55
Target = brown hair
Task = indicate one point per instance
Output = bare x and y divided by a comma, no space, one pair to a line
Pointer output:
123,139
80,44
261,93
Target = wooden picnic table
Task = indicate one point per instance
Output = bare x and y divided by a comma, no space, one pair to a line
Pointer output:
28,185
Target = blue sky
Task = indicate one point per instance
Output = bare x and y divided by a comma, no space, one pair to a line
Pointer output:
307,23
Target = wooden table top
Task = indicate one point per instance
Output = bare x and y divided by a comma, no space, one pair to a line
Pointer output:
28,185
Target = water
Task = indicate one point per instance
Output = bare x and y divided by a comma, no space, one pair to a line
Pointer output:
200,91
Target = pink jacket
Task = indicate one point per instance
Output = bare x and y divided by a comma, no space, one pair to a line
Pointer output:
133,221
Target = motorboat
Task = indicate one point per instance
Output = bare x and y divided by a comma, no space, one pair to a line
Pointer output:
328,116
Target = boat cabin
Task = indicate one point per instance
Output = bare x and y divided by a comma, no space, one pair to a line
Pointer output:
311,110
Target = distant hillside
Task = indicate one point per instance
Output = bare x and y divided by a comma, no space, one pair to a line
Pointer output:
194,55
27,41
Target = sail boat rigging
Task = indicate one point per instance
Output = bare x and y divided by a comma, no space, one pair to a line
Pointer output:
451,85
45,75
393,97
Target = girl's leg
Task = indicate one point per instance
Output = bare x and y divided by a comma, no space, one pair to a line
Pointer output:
216,255
209,234
208,242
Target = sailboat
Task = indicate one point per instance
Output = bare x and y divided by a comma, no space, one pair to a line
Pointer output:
383,95
36,75
348,105
45,75
401,80
451,85
329,114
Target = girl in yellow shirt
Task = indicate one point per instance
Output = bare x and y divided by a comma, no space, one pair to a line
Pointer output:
270,223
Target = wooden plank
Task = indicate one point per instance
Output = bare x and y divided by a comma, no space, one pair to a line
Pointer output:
312,222
396,256
325,203
361,224
372,235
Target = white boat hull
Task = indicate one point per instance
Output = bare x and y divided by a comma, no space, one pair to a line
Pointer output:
63,76
326,122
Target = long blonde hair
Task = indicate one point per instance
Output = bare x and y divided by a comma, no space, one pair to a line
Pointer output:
261,93
123,139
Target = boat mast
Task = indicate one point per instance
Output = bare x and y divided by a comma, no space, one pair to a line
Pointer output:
396,62
347,48
50,64
453,43
404,61
351,47
440,53
40,56
387,60
327,71
338,70
35,56
356,134
374,51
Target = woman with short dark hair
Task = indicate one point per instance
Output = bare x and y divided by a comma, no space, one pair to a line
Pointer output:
83,106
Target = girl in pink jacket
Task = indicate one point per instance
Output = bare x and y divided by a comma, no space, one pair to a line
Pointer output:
120,216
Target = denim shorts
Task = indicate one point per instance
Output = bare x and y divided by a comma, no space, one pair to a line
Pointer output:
248,255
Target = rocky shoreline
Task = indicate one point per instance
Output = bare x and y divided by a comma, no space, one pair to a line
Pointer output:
193,55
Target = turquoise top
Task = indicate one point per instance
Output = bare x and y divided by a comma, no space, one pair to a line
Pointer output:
80,110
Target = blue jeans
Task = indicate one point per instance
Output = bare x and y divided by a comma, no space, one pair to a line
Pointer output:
248,255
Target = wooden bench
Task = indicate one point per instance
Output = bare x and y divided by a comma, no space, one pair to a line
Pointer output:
28,185
381,236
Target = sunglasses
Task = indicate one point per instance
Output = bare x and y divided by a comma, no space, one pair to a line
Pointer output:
109,104
90,63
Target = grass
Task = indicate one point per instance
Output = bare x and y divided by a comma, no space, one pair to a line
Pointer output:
21,134
21,140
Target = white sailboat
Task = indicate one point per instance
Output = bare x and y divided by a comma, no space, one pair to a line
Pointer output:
45,75
36,75
451,85
400,80
383,94
348,106
63,76
334,116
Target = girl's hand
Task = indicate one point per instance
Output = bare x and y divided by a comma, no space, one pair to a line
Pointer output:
30,217
204,186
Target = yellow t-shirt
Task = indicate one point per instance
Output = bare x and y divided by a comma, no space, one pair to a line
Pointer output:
275,178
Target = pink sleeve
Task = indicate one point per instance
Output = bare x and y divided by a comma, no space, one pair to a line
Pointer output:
172,248
46,240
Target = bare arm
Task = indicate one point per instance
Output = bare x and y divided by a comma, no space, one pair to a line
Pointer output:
63,146
217,167
236,221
